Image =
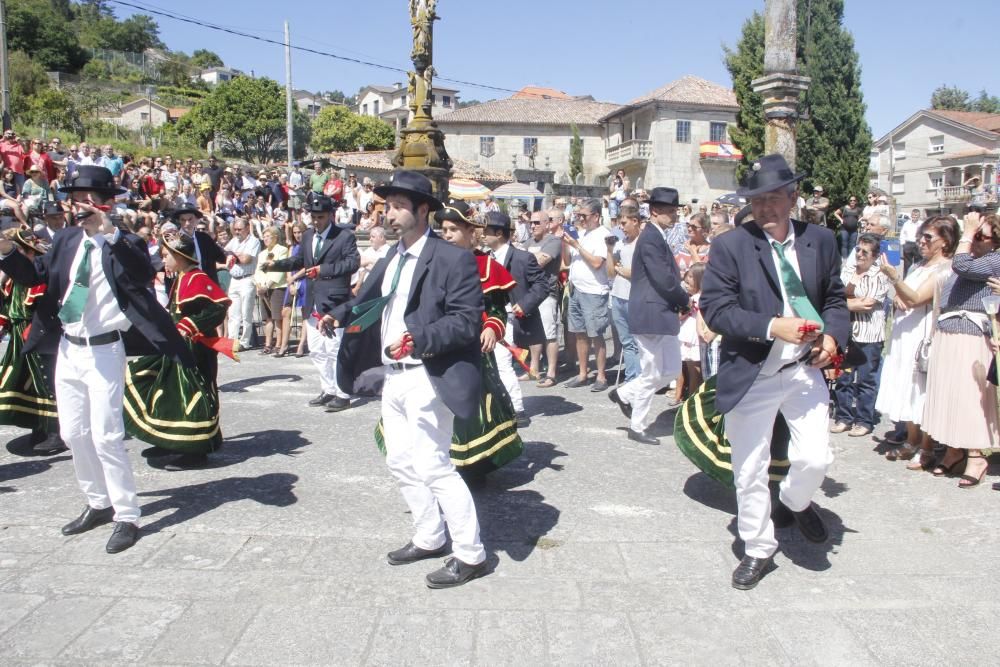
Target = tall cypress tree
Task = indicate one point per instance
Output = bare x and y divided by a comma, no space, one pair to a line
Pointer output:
834,139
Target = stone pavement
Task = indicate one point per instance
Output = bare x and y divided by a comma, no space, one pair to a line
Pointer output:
609,553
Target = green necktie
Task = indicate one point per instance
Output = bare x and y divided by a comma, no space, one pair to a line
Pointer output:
316,246
368,312
794,288
72,308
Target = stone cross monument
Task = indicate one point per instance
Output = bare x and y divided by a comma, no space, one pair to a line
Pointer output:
781,85
421,146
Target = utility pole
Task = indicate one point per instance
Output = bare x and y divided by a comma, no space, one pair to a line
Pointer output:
4,74
288,94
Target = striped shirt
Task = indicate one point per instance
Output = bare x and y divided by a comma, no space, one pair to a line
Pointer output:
868,327
964,291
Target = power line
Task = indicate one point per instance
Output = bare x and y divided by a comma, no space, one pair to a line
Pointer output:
327,54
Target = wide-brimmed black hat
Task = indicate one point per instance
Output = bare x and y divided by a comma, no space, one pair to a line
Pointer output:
411,184
26,239
176,214
50,207
456,210
91,178
183,245
498,220
664,197
321,204
745,215
768,174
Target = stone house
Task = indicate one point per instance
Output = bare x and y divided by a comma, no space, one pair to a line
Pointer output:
140,114
676,136
941,161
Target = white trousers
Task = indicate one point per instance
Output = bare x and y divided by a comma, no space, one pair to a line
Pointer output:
418,429
89,385
505,364
801,394
659,365
323,352
242,293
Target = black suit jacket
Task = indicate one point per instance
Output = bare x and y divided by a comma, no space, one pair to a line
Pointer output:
337,259
126,264
531,289
443,314
656,293
741,292
211,254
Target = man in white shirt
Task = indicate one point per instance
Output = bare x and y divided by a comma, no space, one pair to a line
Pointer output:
908,239
589,313
242,250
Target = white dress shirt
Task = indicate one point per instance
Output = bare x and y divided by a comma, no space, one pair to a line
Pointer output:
249,247
101,313
393,325
783,352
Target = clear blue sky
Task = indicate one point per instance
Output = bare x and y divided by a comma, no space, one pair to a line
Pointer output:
614,51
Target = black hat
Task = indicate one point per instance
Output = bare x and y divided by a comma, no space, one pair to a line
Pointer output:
26,239
91,178
745,215
50,207
411,184
186,208
183,245
456,210
664,196
768,174
498,220
321,204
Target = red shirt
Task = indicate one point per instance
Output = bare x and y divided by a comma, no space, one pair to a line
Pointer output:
152,187
13,155
44,162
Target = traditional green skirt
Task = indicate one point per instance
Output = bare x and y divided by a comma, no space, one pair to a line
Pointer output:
171,406
487,441
25,398
700,434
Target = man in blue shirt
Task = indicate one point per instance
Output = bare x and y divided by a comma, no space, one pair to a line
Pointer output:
110,161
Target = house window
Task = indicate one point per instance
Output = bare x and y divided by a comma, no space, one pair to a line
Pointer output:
487,146
936,180
717,132
446,100
364,109
936,144
143,116
899,150
898,185
531,145
433,99
683,131
375,108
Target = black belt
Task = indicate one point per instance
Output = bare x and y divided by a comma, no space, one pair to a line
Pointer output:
792,364
397,366
239,277
100,339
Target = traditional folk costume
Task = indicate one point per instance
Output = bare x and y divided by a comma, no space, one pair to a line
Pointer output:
169,405
27,398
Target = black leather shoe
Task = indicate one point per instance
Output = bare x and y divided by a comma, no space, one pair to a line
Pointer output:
781,515
186,462
91,518
337,404
626,408
643,437
411,553
321,400
811,525
522,419
750,570
455,573
52,444
124,536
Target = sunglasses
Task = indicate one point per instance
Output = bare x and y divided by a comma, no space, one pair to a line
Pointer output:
928,238
863,252
979,237
537,222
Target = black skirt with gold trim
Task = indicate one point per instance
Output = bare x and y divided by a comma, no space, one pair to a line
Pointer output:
26,399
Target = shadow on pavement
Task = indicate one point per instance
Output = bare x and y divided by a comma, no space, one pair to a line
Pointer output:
20,469
240,386
549,406
188,502
22,445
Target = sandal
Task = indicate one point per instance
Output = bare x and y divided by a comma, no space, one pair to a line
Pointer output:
265,350
925,462
943,469
903,453
546,382
280,353
969,481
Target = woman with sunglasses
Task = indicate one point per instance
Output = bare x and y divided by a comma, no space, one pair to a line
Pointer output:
903,388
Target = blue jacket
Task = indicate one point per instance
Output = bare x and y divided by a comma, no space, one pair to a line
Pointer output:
656,293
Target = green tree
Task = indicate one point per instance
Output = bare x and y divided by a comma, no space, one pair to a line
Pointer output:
56,110
176,70
986,103
203,59
834,141
575,154
247,117
37,29
337,128
27,79
950,98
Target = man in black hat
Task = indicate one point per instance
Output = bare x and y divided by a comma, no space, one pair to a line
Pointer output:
209,254
655,297
419,316
101,309
773,291
524,323
53,218
330,256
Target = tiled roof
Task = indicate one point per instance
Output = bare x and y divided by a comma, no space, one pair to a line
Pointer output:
539,92
532,112
382,161
981,121
691,90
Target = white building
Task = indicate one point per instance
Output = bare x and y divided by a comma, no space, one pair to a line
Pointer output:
216,75
503,135
676,136
140,114
309,103
941,160
391,103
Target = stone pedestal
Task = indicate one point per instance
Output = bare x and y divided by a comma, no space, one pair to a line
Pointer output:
781,109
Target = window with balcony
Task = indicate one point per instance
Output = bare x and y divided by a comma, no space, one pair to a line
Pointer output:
935,180
898,185
446,101
531,146
683,131
899,150
487,146
936,144
717,132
